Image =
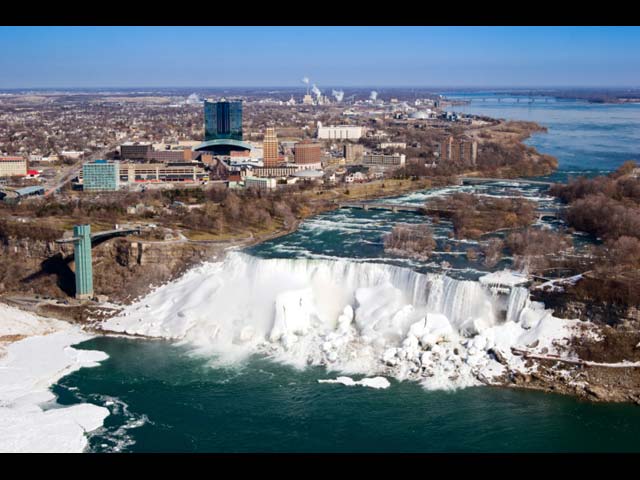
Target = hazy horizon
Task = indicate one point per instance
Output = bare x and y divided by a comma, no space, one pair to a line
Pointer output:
486,88
349,57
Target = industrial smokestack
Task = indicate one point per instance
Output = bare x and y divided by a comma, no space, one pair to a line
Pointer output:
338,94
305,80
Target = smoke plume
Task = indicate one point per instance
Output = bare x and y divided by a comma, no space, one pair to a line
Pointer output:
338,94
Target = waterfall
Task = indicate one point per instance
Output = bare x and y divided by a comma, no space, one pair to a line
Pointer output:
351,313
219,299
465,303
518,301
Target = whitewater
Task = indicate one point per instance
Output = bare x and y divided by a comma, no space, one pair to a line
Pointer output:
352,317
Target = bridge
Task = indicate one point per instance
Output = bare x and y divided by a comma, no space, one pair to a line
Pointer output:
529,97
400,207
394,207
82,241
420,209
100,236
474,180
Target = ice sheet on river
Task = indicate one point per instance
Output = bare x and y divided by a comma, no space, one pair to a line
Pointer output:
354,317
27,370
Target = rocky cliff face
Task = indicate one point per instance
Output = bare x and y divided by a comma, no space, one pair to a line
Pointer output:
123,269
566,305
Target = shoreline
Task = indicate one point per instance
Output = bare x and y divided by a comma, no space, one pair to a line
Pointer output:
28,368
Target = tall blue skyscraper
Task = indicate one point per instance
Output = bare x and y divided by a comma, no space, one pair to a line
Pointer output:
222,120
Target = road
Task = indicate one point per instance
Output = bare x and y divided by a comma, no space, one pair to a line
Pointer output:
71,172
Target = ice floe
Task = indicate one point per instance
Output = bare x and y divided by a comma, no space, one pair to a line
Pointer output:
30,421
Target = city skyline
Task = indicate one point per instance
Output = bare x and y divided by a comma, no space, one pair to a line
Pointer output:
218,57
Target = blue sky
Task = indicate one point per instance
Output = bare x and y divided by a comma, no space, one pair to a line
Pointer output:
331,56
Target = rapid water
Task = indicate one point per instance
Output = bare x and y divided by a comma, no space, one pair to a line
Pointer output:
255,333
357,234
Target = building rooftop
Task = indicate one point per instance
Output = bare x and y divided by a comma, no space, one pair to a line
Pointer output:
29,190
309,174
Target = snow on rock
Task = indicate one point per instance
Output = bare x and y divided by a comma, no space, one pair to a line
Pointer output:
27,370
507,278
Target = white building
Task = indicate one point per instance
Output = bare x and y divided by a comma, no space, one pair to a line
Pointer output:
12,166
339,132
71,154
355,177
402,145
260,183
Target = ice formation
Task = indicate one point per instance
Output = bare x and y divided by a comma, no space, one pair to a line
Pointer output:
27,370
353,317
376,382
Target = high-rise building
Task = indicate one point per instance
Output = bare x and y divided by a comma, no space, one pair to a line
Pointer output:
12,166
459,150
100,176
445,148
270,148
353,152
222,128
222,120
307,152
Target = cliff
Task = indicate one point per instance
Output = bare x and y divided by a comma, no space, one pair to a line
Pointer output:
123,268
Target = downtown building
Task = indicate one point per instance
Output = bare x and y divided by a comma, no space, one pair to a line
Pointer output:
103,175
270,148
223,128
135,150
307,155
179,172
170,155
384,161
13,166
340,132
100,176
459,150
353,152
259,183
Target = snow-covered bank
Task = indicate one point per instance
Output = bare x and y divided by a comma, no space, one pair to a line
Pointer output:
354,317
28,368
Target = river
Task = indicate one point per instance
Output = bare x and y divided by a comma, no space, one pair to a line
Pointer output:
195,396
